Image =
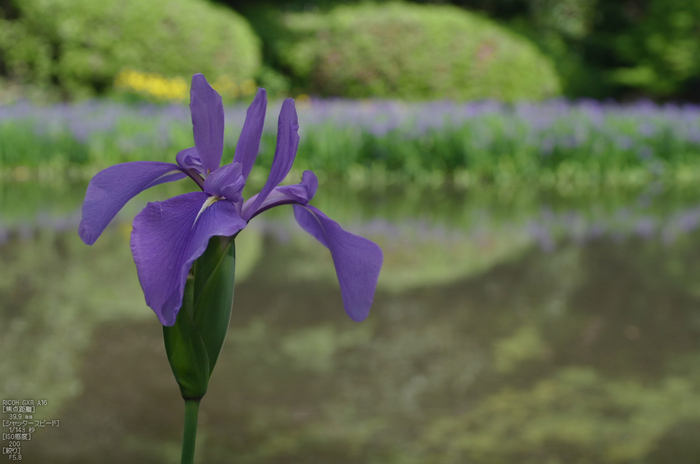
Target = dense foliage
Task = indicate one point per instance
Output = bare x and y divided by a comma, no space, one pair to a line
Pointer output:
412,51
621,49
663,50
600,49
79,46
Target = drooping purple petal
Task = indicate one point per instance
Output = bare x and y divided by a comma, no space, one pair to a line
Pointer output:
207,112
300,194
285,152
113,187
168,236
357,260
227,181
249,142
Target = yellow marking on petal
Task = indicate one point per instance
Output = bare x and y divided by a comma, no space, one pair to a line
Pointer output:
210,201
174,171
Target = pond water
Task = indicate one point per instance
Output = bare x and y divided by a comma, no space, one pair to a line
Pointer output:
509,326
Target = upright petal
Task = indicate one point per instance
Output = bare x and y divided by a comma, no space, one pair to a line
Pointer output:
357,260
285,152
207,112
249,142
299,194
113,187
168,236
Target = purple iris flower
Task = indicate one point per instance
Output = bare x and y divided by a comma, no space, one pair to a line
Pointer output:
168,236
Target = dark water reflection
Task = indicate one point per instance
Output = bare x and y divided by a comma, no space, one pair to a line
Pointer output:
487,343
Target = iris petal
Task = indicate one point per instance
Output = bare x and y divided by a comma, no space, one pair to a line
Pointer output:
248,144
300,194
227,181
285,152
167,237
113,187
207,112
357,260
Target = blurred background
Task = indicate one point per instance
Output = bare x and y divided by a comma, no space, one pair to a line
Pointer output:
529,167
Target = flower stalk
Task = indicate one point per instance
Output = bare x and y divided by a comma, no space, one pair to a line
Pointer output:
189,436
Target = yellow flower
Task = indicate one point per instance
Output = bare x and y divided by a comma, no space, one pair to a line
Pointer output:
156,86
152,85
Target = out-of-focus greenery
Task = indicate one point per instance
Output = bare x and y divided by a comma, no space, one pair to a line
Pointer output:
411,51
662,51
80,46
377,143
622,49
560,28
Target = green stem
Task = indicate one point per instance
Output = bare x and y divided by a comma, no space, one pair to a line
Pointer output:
189,435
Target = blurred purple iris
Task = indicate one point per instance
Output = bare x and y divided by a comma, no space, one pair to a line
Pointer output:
168,236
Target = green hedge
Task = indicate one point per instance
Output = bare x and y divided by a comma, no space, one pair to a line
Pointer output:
81,45
411,51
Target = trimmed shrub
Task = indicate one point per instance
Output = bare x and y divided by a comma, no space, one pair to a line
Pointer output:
81,45
411,51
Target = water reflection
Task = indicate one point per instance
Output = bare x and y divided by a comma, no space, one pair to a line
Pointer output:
486,344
